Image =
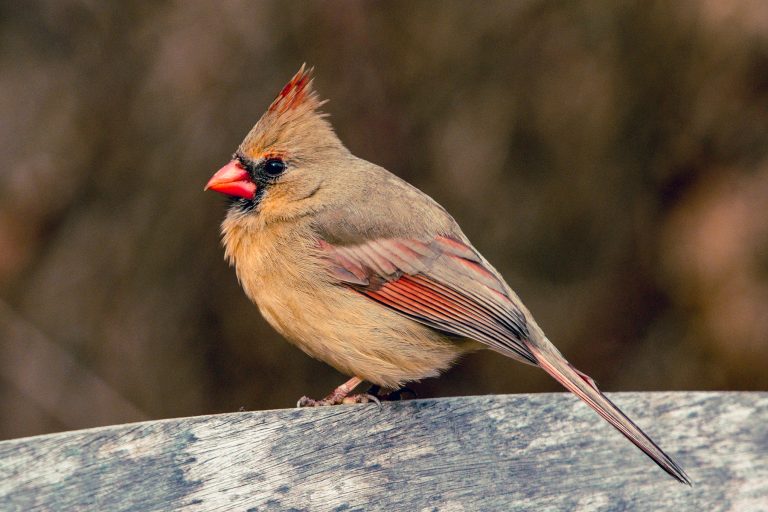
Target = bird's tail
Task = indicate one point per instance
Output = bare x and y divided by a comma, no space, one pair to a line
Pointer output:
584,387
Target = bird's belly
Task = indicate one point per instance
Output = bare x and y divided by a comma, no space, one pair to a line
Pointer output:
358,336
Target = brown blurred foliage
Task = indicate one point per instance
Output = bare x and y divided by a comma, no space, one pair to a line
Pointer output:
610,158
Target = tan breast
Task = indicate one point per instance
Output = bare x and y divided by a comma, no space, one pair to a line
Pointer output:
282,271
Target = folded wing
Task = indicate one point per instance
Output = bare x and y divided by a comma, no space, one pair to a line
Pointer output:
442,283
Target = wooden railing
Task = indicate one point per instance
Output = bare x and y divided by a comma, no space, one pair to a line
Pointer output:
519,452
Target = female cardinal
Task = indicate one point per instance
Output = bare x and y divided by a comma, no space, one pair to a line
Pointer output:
367,273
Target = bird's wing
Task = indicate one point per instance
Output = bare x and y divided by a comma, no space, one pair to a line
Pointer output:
445,284
442,283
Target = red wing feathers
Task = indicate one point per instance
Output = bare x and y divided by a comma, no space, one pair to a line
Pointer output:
443,284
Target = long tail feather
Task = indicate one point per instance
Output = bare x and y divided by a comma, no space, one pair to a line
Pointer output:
584,387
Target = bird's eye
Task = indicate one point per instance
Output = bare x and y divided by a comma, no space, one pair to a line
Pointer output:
274,167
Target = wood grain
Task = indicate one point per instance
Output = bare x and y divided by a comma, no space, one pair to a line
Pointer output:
519,452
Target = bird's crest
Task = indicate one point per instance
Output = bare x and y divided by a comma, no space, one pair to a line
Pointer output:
293,121
298,94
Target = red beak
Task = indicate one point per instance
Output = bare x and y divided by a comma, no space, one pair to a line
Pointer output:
233,180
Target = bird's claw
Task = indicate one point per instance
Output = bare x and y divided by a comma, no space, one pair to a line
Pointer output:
332,399
362,398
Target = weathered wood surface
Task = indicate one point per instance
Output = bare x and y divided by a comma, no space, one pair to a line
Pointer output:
519,452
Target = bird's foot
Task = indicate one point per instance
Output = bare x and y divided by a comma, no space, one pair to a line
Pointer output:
333,399
392,396
341,395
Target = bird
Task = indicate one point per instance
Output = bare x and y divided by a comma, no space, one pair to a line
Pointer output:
369,274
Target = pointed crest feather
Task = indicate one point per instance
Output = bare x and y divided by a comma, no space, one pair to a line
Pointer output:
297,92
293,122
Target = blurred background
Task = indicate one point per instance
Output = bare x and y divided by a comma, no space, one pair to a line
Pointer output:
609,158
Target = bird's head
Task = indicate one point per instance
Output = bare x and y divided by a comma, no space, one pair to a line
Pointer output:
281,160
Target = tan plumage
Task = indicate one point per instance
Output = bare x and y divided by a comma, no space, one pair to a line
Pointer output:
365,272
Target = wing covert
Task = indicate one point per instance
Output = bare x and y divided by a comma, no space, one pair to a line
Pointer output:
443,284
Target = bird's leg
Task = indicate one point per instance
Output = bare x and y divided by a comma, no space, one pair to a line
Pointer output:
340,395
392,396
